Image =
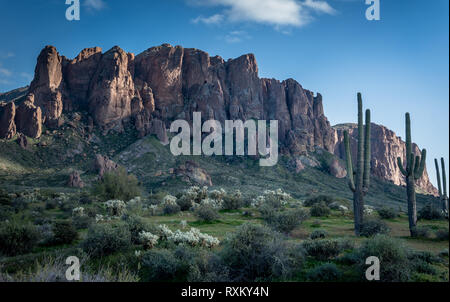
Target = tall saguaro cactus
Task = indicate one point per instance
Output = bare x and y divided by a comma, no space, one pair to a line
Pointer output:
413,171
359,181
442,193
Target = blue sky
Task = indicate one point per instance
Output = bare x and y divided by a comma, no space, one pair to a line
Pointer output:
399,63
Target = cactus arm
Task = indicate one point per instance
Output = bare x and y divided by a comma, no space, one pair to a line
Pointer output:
438,176
421,167
367,151
400,166
348,155
416,165
444,178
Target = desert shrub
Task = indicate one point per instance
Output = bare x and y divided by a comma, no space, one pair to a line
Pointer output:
185,203
64,233
51,204
106,239
256,253
285,221
318,199
6,212
207,213
326,249
162,266
430,212
318,234
5,200
327,272
170,205
274,199
85,198
392,254
82,222
117,185
387,213
442,234
320,210
115,207
372,227
137,225
233,202
17,239
423,232
157,198
192,196
443,253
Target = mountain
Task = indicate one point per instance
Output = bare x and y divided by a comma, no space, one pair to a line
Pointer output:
148,91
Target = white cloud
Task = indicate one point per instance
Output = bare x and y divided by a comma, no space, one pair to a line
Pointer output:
236,36
7,55
320,6
95,4
214,19
5,72
273,12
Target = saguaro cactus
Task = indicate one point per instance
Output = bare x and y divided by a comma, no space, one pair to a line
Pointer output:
413,171
359,181
442,194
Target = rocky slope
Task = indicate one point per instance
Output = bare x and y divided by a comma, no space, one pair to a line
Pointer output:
165,83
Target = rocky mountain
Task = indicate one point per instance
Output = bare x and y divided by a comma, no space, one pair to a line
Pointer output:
165,83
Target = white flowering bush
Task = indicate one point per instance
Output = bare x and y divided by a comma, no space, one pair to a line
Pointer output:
276,199
163,231
99,218
218,194
214,203
148,240
115,207
170,205
194,238
169,200
78,212
153,209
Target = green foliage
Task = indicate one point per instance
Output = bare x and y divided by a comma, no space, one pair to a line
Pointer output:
423,232
285,221
136,225
207,213
106,239
393,256
64,233
318,199
5,200
372,227
327,272
318,234
326,249
442,234
256,253
17,239
171,209
388,213
117,185
232,202
162,266
320,210
430,212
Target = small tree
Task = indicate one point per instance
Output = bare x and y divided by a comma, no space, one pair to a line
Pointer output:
117,185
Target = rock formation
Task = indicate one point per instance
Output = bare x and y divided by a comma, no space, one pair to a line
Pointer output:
103,165
75,180
165,83
386,148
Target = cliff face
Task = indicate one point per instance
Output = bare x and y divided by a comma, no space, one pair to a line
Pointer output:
165,83
386,148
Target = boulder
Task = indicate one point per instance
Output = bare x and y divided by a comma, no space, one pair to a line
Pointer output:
192,172
7,123
103,165
75,180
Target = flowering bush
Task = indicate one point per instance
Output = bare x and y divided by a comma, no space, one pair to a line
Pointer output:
78,212
194,238
276,199
115,207
218,194
148,240
170,205
192,197
164,232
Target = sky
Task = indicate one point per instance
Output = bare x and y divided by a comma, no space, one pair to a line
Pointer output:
399,63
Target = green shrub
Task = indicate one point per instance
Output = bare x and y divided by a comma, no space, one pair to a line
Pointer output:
326,249
207,213
5,200
256,253
136,225
320,210
170,209
430,212
285,221
82,222
442,234
64,233
106,239
327,272
372,227
117,185
423,232
162,266
318,234
17,239
232,202
387,213
185,203
318,199
393,256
